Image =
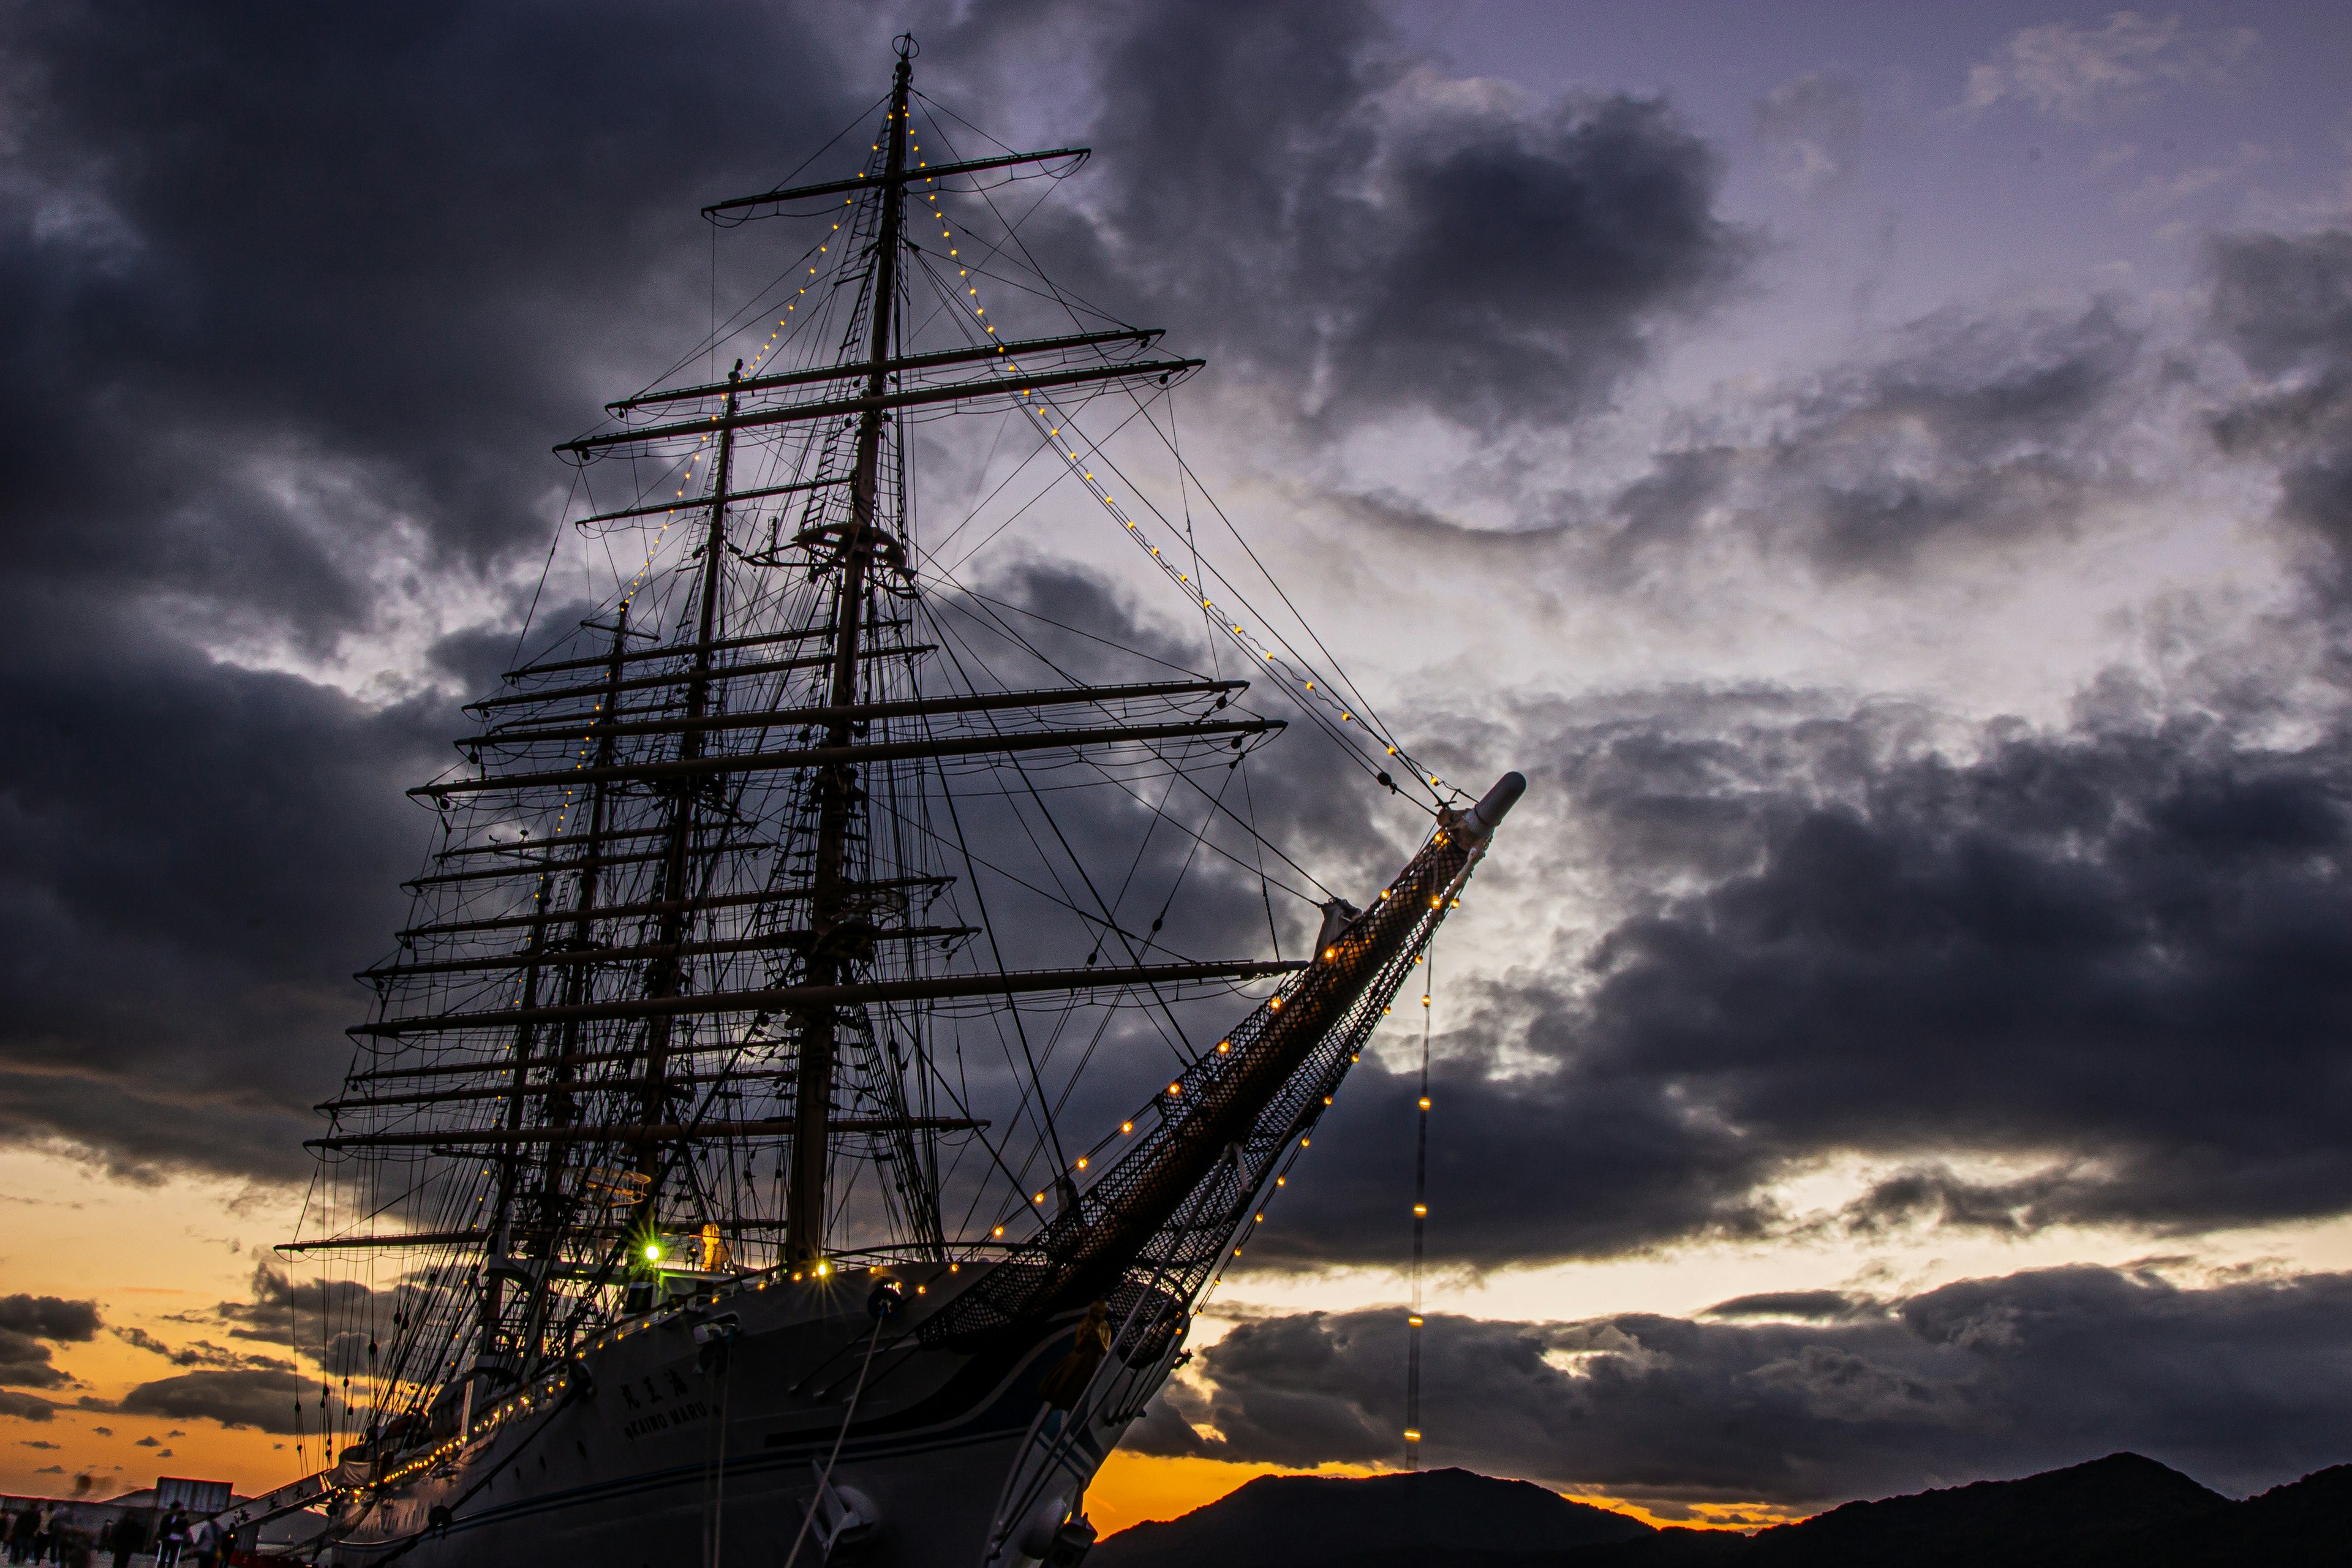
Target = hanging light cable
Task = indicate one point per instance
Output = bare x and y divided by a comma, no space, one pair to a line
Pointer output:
1420,1220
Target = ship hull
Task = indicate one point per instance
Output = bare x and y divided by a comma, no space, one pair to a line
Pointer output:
695,1440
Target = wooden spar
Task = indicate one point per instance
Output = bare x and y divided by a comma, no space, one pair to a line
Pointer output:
685,650
659,906
583,1058
355,1243
585,863
716,672
846,755
694,503
862,712
1144,336
767,941
875,403
785,998
896,177
532,846
540,1091
649,1135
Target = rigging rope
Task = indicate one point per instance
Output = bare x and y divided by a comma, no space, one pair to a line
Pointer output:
824,1479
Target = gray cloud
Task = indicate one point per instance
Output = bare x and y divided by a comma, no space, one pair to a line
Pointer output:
1815,1306
2235,1382
243,1397
1963,431
2112,953
200,1353
2088,73
2284,303
48,1317
24,1322
26,1363
1813,125
1360,233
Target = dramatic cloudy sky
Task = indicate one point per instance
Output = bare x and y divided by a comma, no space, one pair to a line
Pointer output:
1885,474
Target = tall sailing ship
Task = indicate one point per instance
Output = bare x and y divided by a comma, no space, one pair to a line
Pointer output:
720,1173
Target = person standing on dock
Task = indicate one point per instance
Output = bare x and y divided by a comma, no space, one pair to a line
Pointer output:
130,1540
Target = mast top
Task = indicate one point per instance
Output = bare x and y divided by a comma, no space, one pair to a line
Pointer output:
896,174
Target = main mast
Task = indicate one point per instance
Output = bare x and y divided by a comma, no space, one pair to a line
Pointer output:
837,785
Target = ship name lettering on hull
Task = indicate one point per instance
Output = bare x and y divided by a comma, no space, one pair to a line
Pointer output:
667,1420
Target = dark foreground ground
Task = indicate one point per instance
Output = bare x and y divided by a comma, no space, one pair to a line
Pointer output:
2122,1511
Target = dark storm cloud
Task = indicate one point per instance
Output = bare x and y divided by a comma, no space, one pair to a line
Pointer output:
24,1363
192,854
385,248
2113,955
2238,1383
281,1301
24,1322
2284,303
200,1353
1820,1306
26,1408
49,1316
294,303
260,1398
1322,210
1965,430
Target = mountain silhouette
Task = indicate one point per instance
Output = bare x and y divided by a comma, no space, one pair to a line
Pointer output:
1301,1522
2122,1511
2056,1517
